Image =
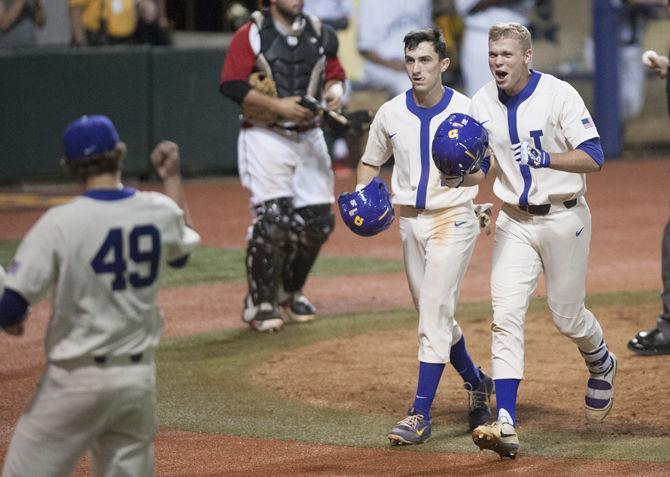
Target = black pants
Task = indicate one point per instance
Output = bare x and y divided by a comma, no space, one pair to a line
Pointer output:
665,270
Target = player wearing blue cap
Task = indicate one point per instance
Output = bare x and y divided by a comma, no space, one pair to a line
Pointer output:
102,254
438,226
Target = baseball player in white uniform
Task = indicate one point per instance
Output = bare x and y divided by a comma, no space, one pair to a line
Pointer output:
478,16
544,142
284,162
438,226
102,254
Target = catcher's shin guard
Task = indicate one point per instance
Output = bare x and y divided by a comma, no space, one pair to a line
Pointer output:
266,249
310,229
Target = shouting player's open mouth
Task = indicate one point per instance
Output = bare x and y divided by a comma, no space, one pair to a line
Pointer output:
501,75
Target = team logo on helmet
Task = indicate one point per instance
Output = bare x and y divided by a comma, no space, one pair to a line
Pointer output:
459,145
368,211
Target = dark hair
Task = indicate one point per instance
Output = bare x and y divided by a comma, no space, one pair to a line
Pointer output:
108,162
431,35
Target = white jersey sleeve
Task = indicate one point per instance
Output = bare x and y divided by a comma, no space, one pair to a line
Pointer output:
573,117
180,240
34,267
379,147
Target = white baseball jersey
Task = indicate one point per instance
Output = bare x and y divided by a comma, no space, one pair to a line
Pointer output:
404,130
437,224
103,251
551,115
548,113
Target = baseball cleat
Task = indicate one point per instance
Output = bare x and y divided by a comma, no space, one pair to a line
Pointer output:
479,397
500,437
263,318
414,429
600,393
653,342
297,308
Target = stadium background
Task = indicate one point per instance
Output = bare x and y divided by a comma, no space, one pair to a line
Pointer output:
318,399
155,93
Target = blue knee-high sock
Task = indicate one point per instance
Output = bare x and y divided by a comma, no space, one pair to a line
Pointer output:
462,363
429,378
506,391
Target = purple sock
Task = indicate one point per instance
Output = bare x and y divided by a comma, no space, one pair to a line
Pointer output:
429,379
462,363
506,391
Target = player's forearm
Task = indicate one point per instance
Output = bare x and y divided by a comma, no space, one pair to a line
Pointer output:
573,161
473,179
174,189
254,98
365,173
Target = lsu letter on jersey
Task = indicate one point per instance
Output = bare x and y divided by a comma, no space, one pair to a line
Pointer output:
403,129
103,252
549,114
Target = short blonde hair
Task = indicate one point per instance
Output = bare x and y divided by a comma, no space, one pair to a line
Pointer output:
517,31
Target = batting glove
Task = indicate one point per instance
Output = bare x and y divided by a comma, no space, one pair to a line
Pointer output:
528,155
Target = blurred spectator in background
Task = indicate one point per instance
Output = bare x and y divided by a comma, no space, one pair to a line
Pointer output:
113,22
151,23
657,340
635,15
382,25
102,22
56,30
451,24
337,13
478,16
18,21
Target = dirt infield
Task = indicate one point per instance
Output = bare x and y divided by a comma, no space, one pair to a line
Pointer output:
629,203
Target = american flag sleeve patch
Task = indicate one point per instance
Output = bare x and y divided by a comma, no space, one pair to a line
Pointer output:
587,123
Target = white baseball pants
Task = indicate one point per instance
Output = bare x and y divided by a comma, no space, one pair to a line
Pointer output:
108,410
437,246
276,164
557,245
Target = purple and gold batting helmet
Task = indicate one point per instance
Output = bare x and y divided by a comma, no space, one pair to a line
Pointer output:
368,211
459,145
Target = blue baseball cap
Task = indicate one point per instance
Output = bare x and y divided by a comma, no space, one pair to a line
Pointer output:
89,136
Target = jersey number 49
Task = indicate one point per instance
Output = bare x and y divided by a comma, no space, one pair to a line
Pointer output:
144,248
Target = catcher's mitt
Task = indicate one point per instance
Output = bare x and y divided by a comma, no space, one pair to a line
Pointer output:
261,82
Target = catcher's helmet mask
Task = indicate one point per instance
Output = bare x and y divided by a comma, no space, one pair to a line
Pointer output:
459,145
368,211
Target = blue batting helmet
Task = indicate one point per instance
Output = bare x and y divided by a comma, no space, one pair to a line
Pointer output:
368,211
459,145
89,136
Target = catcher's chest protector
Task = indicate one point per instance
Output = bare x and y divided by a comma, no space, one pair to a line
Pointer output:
296,62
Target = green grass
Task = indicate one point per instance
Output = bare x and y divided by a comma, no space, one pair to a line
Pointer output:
204,386
7,251
219,265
